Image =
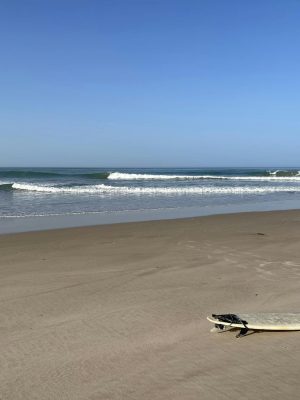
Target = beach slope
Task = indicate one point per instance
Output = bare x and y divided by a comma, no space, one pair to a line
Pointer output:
119,311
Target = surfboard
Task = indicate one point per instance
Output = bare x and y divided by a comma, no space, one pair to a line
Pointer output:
260,321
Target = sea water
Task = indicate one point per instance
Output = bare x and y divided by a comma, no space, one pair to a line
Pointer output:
103,195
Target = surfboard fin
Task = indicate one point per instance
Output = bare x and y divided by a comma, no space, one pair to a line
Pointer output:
242,332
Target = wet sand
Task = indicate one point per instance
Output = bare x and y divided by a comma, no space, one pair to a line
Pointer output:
119,311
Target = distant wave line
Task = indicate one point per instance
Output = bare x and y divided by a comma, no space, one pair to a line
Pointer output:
130,176
49,174
284,175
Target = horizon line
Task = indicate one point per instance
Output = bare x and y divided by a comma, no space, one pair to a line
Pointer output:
154,167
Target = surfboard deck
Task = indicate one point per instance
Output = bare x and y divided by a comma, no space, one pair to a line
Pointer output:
257,321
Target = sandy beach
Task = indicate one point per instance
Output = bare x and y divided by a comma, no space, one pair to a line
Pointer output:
119,311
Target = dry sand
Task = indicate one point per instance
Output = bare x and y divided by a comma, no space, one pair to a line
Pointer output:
119,311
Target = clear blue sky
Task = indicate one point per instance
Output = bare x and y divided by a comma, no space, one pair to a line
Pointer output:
150,83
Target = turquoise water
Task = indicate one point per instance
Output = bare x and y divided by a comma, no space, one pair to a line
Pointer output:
28,192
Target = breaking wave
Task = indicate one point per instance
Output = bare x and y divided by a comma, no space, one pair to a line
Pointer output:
284,173
107,189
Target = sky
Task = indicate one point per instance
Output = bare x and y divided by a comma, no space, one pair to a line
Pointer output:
94,83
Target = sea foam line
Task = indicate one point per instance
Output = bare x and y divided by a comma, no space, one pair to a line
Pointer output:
102,189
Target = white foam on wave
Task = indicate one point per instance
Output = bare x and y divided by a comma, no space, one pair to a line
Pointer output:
128,177
274,172
102,189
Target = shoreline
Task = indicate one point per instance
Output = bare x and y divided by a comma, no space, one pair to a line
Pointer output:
144,222
41,223
119,311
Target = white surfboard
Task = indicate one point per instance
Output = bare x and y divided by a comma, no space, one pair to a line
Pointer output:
260,321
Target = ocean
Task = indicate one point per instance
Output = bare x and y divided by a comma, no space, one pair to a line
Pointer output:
102,195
